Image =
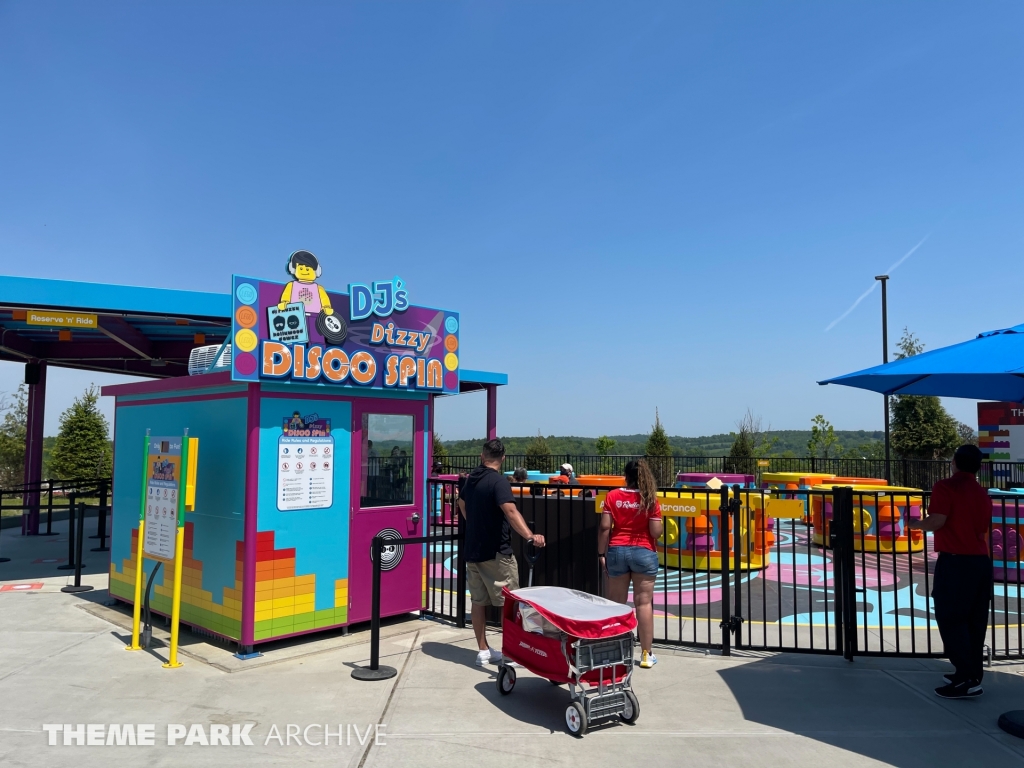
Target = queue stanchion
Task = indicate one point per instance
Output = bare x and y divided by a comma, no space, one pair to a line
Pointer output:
375,671
73,499
49,509
78,586
101,525
3,559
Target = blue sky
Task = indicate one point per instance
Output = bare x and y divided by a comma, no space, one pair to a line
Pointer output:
632,207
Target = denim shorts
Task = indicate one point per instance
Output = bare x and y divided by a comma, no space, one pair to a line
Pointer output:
623,560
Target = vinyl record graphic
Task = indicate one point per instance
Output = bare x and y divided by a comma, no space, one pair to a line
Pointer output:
390,554
332,328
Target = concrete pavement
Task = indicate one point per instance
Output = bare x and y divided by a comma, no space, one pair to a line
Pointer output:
62,661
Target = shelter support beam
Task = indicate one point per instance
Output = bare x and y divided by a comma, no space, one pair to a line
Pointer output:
492,411
34,451
126,335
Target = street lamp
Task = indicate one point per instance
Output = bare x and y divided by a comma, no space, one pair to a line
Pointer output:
885,359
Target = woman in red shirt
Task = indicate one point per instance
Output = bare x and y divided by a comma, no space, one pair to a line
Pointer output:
630,524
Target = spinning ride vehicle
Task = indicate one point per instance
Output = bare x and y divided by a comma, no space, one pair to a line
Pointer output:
879,515
1005,540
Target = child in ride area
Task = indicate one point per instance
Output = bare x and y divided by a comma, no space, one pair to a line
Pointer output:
630,524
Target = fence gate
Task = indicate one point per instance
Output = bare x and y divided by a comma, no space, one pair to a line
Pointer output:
840,575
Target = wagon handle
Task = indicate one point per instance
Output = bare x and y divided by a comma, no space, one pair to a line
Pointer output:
531,553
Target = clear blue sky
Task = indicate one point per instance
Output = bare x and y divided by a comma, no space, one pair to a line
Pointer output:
631,205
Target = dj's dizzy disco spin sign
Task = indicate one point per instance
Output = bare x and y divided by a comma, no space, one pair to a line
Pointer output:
371,337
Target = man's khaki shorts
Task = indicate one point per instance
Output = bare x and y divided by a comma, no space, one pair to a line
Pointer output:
486,579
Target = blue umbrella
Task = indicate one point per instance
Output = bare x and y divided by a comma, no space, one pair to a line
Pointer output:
989,367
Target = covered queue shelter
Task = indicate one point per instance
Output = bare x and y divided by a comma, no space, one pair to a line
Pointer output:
313,411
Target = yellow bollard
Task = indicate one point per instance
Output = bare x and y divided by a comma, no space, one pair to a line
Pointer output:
179,550
137,608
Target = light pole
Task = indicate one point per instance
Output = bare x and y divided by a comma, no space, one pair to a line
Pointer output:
885,359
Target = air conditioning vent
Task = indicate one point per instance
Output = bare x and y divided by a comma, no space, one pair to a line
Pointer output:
200,359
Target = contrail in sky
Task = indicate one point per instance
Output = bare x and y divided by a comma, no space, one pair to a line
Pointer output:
874,285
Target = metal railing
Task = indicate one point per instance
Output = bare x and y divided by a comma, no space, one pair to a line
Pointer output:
824,571
909,473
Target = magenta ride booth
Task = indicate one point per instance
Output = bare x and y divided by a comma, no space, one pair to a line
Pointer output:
314,434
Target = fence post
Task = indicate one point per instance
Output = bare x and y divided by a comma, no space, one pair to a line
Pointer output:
73,500
460,572
78,587
724,509
375,671
835,542
843,574
736,619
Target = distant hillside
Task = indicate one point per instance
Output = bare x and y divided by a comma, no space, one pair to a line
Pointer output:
790,442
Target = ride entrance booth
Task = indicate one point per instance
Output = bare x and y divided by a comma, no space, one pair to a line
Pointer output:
315,426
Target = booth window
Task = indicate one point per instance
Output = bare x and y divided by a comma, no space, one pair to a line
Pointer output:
388,453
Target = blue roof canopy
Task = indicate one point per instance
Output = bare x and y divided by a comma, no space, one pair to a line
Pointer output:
988,367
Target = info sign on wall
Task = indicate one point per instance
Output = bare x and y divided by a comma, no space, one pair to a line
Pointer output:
370,337
163,486
305,463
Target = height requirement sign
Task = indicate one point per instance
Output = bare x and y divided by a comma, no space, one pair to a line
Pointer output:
371,337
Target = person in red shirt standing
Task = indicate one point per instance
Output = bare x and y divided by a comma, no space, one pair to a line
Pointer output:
960,514
630,524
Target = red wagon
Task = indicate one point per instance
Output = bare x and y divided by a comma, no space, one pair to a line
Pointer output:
572,637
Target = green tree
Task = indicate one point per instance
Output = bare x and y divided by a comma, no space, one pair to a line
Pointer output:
13,431
741,454
920,428
966,434
874,449
538,454
658,452
82,448
440,453
823,443
604,445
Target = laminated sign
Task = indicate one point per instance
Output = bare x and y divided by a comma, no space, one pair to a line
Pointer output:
163,480
305,463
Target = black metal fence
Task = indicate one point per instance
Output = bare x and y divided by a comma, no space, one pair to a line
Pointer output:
829,571
37,501
908,473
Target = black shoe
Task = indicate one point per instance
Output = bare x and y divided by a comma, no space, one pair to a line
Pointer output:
965,690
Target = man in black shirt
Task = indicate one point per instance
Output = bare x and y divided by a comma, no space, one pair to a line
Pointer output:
487,504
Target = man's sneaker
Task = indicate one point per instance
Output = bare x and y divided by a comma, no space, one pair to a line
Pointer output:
483,658
965,690
496,656
647,660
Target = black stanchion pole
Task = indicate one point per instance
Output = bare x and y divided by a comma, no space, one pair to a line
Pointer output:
101,526
3,559
49,509
71,535
78,559
375,671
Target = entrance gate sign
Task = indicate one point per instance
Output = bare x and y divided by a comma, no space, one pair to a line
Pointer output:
300,332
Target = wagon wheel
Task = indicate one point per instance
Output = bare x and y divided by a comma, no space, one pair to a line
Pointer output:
554,682
576,719
506,680
631,711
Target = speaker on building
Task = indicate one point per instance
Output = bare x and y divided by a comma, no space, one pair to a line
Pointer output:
33,373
